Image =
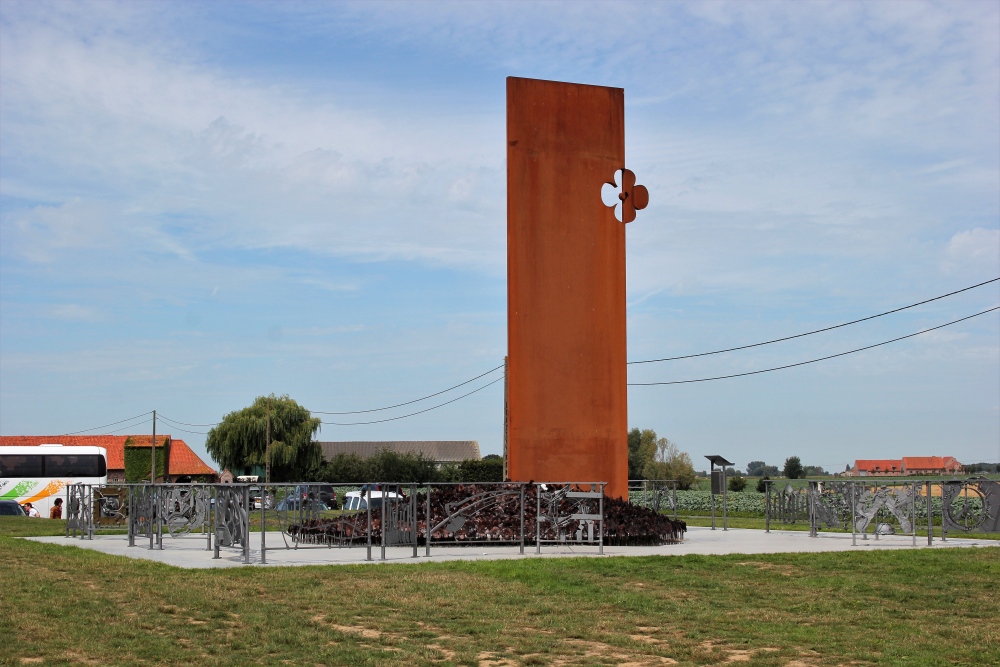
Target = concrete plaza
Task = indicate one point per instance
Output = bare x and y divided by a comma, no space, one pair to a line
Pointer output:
190,551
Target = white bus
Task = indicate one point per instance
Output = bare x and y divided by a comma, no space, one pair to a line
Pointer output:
39,474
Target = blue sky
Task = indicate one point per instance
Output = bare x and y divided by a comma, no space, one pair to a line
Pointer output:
205,202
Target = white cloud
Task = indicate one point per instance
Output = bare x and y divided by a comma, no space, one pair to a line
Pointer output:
974,251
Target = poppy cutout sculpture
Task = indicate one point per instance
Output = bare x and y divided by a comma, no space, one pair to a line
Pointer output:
566,400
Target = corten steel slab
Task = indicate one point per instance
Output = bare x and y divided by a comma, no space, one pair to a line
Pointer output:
566,374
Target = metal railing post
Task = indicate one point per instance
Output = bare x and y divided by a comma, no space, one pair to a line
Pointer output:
368,504
854,514
673,492
263,526
521,486
538,520
930,524
427,541
600,503
246,525
381,522
913,511
152,516
413,513
215,521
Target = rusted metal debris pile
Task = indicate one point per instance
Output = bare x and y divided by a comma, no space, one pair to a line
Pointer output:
481,513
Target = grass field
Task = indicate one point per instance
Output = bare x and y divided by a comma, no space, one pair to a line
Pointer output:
60,605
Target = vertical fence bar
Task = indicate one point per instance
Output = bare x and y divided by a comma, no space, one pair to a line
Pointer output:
854,515
246,525
161,509
725,499
600,503
673,491
913,511
131,519
427,541
413,513
152,514
521,505
538,520
207,526
368,504
215,521
930,524
263,526
811,504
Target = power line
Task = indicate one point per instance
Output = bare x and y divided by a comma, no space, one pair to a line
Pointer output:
174,421
379,421
130,426
810,333
178,428
399,405
111,424
812,361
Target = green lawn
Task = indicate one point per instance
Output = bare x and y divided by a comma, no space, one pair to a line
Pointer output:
62,605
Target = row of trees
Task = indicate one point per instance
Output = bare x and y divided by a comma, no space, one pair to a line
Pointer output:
650,457
240,441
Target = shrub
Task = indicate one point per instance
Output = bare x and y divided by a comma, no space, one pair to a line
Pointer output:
737,483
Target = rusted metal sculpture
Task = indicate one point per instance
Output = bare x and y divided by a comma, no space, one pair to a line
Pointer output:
566,375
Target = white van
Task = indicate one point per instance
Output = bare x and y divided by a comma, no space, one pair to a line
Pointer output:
354,500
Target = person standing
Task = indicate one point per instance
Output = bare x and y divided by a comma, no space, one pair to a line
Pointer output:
56,511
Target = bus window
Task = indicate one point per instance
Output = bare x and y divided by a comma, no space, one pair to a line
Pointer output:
81,465
20,465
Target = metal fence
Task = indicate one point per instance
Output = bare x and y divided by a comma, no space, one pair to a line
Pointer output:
656,494
373,516
887,507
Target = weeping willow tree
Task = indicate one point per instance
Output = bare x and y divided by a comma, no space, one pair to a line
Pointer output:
240,440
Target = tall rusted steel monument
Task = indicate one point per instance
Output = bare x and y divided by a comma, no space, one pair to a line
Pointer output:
567,403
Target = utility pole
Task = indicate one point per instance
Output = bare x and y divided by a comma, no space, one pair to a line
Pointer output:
267,446
152,465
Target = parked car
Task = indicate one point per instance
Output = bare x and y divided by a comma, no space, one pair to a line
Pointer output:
324,493
255,498
294,502
11,508
358,500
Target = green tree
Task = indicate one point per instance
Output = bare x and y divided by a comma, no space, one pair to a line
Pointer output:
793,468
737,482
239,441
761,484
641,450
755,468
670,463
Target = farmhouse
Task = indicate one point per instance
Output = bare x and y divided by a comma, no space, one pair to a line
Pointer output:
182,464
439,451
908,465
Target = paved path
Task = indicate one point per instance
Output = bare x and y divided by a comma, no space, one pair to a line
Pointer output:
190,552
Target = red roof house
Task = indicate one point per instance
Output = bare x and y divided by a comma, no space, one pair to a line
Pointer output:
931,465
182,462
878,467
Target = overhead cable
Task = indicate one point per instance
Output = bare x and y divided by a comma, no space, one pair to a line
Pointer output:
441,405
812,361
122,421
174,421
810,333
416,400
